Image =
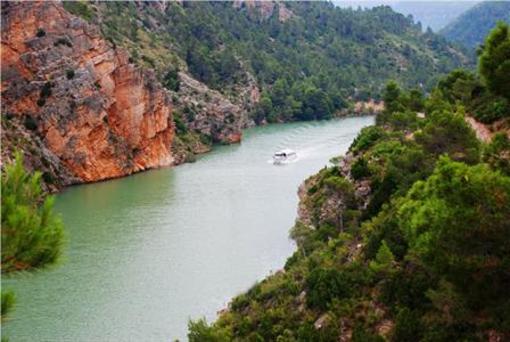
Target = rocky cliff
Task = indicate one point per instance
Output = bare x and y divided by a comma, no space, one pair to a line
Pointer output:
78,106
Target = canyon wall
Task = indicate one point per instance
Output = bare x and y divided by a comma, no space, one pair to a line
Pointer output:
75,104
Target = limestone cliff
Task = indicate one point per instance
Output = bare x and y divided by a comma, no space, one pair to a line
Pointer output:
82,103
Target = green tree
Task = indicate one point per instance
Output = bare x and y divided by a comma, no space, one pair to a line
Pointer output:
497,153
494,63
31,232
200,331
391,97
447,132
384,259
457,222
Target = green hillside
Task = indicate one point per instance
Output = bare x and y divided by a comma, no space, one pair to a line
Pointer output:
471,27
405,238
309,58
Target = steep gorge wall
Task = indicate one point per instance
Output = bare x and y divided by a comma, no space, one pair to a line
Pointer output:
88,113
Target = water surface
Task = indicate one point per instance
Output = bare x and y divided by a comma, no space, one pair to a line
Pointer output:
147,252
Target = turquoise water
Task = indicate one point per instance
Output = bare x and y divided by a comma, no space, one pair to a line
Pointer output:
147,252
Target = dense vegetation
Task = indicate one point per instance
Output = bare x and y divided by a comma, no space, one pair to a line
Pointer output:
471,27
31,233
309,66
424,255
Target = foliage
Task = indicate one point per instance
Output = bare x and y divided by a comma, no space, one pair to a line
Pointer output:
31,232
494,62
325,284
360,169
40,33
79,8
447,132
8,299
171,80
471,253
200,331
384,259
69,74
308,67
497,153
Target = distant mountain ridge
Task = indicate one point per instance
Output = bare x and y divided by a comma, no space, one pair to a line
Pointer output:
472,26
434,14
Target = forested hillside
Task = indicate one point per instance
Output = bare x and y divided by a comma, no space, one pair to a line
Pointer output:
471,27
406,237
309,59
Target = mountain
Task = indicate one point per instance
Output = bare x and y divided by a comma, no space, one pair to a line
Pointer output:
472,26
95,90
308,60
433,14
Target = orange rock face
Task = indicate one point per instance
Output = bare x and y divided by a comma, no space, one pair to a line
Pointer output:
99,114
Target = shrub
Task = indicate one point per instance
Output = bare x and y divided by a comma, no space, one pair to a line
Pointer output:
63,41
69,74
171,80
384,259
8,299
30,123
40,33
46,90
359,169
497,153
325,284
79,8
407,326
41,102
367,138
31,233
457,223
200,331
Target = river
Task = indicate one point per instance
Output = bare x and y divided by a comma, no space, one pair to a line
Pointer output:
145,253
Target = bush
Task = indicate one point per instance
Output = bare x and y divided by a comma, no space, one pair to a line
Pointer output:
30,123
457,223
8,299
31,233
41,102
497,153
79,8
40,33
171,80
324,285
69,74
46,90
367,138
359,169
407,326
63,41
200,331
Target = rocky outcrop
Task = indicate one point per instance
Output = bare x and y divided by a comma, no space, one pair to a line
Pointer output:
92,111
208,112
265,9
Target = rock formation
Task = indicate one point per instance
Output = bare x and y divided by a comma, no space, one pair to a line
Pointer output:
91,112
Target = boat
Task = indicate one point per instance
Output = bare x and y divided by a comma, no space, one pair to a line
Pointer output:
284,156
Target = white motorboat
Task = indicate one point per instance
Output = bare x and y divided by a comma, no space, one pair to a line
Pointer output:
284,156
